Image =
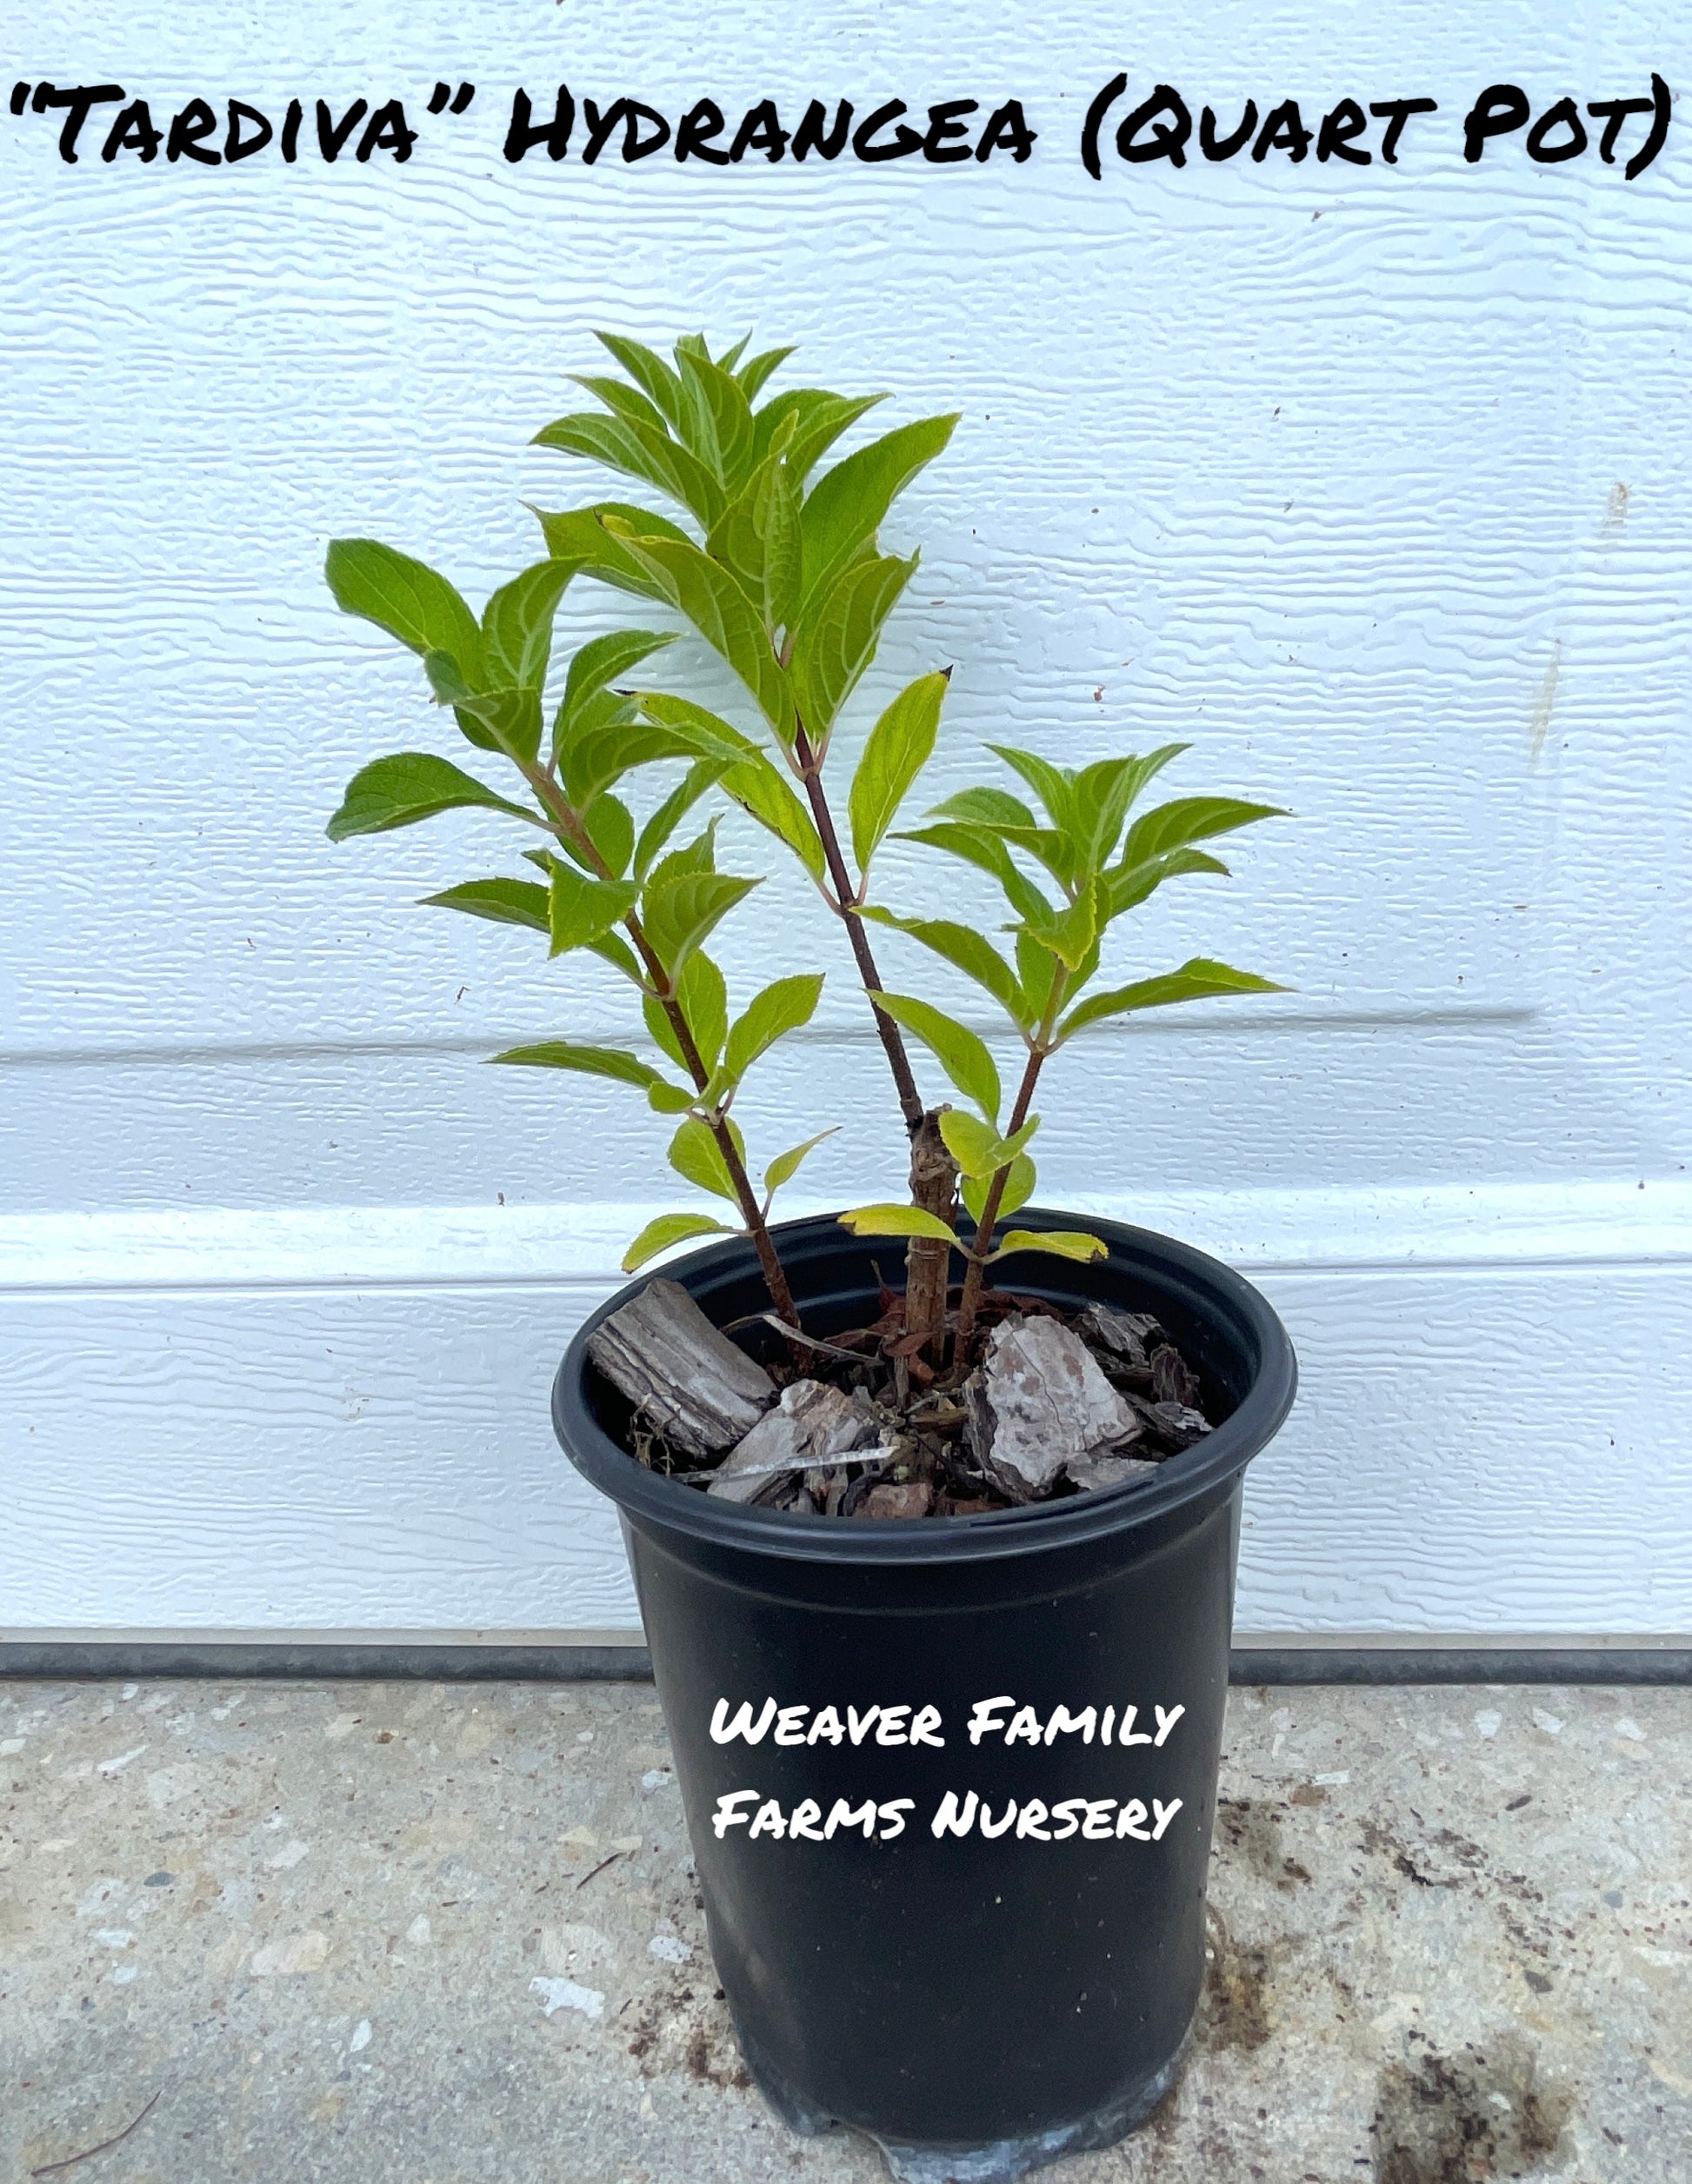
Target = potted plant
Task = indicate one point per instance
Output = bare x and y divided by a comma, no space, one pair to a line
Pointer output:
937,1578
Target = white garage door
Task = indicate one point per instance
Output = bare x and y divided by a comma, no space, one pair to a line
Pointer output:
1370,479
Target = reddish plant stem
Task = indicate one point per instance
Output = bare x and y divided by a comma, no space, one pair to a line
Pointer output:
568,825
911,1100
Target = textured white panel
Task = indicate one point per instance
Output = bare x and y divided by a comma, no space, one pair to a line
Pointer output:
1373,483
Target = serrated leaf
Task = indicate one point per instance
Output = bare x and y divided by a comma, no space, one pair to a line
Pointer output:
1199,979
895,1221
1053,786
967,950
714,602
819,419
756,369
1103,795
624,401
517,625
600,661
899,746
588,1062
838,631
649,371
695,1155
701,777
579,537
704,1003
611,949
1073,933
717,419
671,1099
1063,1243
986,807
405,597
699,856
502,901
976,845
971,1142
1127,886
765,795
1018,1189
843,510
1172,825
679,914
960,1053
667,1230
619,444
706,732
503,719
785,1166
610,825
580,909
410,786
782,1007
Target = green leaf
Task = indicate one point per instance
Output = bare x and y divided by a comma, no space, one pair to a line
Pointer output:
1018,1190
785,1166
960,1053
987,807
706,732
837,635
610,825
753,374
758,537
1127,886
699,856
760,790
404,597
517,625
600,661
1102,796
780,1008
701,777
577,535
704,1004
820,418
600,757
971,1142
611,949
967,949
680,914
624,401
410,786
1037,967
900,744
1054,786
1199,979
671,1099
976,845
588,1062
1172,825
714,602
695,1155
896,1221
503,901
717,419
649,371
1063,1243
506,719
1073,933
580,909
621,445
843,510
670,1228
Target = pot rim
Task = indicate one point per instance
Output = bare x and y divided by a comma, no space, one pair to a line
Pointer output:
1240,1310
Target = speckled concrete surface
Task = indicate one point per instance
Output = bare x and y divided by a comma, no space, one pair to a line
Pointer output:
368,1932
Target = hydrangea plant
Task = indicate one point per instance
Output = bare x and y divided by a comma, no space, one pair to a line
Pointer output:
774,556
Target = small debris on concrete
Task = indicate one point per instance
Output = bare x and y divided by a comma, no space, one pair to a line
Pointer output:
669,1949
564,1994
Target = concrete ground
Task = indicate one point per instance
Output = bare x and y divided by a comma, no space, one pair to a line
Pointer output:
447,1935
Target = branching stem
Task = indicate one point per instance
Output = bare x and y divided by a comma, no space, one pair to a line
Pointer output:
568,824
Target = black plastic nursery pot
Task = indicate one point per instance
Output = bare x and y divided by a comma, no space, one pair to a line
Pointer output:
949,1782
